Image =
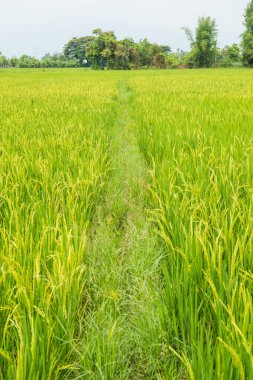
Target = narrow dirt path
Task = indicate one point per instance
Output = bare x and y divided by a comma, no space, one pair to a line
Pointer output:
123,267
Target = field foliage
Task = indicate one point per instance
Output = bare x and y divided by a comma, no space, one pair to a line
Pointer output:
54,164
194,131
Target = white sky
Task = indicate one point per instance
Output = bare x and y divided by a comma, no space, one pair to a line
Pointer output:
39,26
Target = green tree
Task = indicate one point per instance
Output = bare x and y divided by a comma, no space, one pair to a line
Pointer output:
233,52
151,54
160,60
189,59
247,36
131,53
165,49
204,45
145,53
14,62
101,52
58,60
3,61
122,56
173,60
76,49
229,55
26,61
109,50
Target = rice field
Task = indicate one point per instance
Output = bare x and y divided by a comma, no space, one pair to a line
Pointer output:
126,224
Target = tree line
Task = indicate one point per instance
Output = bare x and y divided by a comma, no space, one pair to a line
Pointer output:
102,50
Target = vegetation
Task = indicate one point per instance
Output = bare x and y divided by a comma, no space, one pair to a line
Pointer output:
247,37
103,50
54,165
126,211
198,145
76,50
204,45
126,221
100,51
229,55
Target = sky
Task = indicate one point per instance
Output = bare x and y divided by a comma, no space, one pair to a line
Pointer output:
36,27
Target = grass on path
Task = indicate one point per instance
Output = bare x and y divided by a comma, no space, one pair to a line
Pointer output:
123,267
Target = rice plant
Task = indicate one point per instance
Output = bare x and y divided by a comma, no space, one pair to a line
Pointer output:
195,130
54,165
126,224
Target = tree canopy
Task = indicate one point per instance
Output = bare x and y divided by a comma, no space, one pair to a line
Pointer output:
247,37
103,50
76,49
204,45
